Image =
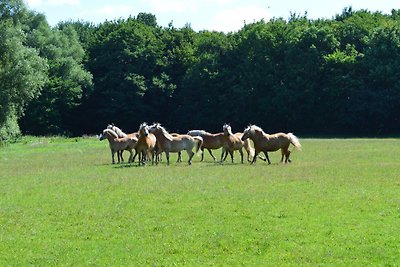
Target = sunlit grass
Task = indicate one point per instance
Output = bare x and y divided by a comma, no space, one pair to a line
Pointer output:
62,202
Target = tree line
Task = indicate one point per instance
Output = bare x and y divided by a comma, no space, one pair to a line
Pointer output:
338,76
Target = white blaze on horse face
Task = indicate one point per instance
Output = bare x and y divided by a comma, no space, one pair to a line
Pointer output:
227,129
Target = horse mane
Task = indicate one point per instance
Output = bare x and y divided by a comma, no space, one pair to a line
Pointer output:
165,132
253,128
117,130
110,132
197,132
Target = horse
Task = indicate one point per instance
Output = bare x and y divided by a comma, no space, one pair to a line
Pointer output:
121,134
168,143
119,144
233,142
146,144
210,141
270,142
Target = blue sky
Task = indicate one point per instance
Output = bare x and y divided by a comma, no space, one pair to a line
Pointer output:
219,15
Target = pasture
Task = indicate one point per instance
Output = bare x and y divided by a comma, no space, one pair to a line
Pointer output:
63,203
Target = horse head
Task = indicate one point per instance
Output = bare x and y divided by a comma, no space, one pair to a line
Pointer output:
102,136
246,133
155,126
144,129
227,129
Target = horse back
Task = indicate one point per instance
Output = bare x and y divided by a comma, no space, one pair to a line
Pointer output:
277,141
213,141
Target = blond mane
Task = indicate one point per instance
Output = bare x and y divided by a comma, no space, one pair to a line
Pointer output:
165,132
111,132
253,128
117,130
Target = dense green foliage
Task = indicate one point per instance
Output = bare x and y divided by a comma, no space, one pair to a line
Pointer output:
326,76
336,204
41,73
22,71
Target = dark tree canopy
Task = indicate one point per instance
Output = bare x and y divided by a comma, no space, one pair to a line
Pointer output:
336,76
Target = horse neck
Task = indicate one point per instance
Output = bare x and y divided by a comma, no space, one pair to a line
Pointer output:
158,134
110,137
256,137
166,134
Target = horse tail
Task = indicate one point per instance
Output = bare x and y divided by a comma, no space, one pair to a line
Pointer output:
199,143
294,140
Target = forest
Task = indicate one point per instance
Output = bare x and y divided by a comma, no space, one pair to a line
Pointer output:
314,77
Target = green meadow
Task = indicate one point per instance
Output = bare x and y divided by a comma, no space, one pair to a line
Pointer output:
63,203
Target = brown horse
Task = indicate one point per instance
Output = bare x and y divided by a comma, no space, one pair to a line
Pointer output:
168,143
119,144
146,144
210,141
270,142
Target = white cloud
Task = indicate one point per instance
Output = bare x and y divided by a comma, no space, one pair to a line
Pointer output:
34,3
63,2
174,6
42,3
108,12
233,19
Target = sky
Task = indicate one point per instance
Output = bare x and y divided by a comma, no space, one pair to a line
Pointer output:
218,15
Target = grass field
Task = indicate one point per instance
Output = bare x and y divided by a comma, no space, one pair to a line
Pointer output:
63,203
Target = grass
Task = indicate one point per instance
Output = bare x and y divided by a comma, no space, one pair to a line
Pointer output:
63,203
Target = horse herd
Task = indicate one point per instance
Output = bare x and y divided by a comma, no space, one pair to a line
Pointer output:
152,140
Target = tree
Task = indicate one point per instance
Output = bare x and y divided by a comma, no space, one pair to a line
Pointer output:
53,111
22,71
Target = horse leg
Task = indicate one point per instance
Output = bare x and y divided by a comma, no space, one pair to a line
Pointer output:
226,154
112,156
202,153
287,154
255,157
209,151
266,157
179,157
241,155
134,157
231,153
191,154
153,153
144,157
167,156
120,154
139,157
130,156
222,155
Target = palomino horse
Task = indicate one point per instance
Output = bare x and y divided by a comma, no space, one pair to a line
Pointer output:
234,142
270,142
121,134
168,143
210,141
119,144
146,144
